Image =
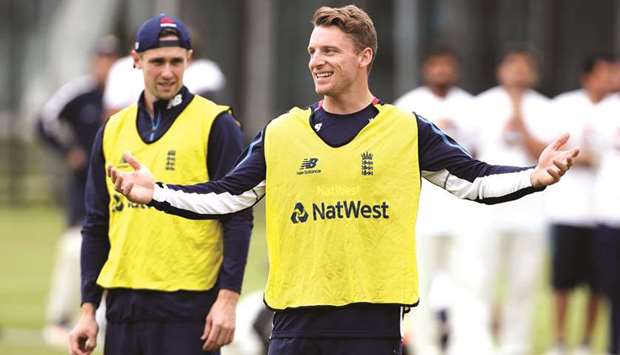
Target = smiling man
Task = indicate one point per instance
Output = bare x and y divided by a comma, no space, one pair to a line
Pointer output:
342,180
172,283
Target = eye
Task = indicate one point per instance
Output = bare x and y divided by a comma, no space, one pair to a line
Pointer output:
157,61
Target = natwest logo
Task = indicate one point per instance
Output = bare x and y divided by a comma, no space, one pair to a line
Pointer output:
341,210
299,214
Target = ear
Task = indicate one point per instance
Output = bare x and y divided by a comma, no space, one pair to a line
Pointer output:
137,61
190,54
365,57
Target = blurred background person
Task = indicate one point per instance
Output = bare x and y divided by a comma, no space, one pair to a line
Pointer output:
570,207
442,102
607,203
125,83
510,127
67,125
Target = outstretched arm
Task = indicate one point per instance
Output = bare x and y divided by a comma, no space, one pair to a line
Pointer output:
242,188
448,165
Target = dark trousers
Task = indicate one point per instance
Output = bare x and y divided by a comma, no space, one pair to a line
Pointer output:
614,329
155,338
334,346
609,239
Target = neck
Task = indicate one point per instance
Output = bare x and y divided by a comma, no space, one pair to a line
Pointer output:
515,89
149,103
440,90
595,95
347,103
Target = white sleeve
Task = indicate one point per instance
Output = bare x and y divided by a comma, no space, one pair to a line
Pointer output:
209,203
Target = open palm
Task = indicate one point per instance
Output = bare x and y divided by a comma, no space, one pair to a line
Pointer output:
553,162
138,186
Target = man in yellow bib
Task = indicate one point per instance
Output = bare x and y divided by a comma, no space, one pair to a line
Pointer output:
172,283
342,181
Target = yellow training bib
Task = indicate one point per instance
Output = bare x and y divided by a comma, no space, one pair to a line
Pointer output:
149,249
341,221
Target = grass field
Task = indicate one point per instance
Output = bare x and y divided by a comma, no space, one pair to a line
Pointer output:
28,238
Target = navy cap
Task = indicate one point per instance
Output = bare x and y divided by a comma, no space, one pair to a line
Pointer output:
148,34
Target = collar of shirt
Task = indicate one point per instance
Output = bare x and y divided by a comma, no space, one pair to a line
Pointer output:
164,114
338,130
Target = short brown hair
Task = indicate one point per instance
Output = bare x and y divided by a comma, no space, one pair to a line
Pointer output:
353,21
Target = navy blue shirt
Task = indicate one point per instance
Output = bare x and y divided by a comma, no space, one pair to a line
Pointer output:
438,153
79,106
224,146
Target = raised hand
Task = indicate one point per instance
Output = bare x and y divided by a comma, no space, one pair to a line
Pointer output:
553,162
137,186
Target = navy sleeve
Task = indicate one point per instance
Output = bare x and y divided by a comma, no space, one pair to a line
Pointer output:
446,160
241,188
95,242
50,138
225,145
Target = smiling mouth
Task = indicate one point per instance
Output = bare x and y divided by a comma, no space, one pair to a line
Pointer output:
166,85
323,75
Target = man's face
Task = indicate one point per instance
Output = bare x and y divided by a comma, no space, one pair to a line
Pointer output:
335,63
101,67
518,70
615,76
163,69
440,70
601,78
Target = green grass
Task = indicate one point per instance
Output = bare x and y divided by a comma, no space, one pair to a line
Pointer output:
28,239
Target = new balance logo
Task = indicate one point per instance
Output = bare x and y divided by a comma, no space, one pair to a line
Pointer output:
308,166
309,163
171,159
299,214
367,164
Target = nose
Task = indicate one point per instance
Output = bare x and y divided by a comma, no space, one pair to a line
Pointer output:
316,60
167,71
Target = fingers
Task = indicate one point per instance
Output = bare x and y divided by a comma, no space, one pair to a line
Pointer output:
206,346
118,180
74,346
82,344
132,161
230,335
126,188
554,173
90,343
225,337
574,153
562,166
560,141
216,335
211,342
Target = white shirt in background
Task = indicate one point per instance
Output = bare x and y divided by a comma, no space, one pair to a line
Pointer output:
123,85
607,147
571,201
441,214
497,145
